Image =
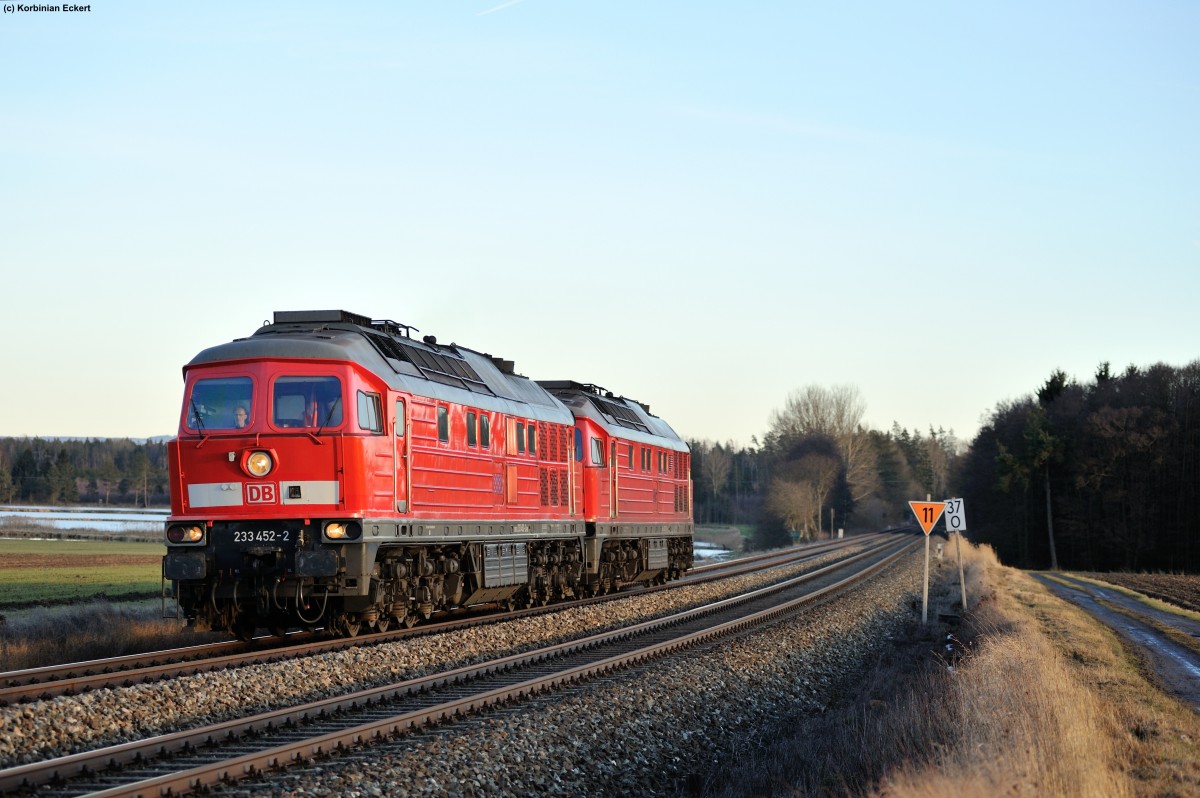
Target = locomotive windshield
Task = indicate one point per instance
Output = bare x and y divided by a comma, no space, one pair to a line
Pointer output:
220,403
307,402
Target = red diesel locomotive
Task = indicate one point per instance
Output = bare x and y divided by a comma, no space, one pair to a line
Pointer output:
334,471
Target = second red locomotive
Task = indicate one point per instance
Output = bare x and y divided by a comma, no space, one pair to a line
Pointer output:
331,470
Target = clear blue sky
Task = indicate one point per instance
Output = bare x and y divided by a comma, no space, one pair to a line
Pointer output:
703,206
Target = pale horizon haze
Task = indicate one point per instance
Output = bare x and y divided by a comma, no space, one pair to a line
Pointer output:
701,206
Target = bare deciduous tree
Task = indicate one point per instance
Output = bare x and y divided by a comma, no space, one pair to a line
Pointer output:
802,489
791,502
717,465
836,412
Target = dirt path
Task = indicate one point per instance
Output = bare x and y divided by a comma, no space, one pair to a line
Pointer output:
1176,665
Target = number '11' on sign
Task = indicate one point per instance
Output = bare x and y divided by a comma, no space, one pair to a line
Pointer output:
927,513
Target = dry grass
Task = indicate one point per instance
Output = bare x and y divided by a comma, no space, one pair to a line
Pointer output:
1041,700
1015,721
55,635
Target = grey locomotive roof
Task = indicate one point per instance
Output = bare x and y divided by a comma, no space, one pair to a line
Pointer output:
451,373
380,348
618,416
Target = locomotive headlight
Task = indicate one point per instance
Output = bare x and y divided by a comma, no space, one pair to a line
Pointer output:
259,464
184,533
340,530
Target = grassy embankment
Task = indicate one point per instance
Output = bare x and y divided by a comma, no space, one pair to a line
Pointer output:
72,600
1042,700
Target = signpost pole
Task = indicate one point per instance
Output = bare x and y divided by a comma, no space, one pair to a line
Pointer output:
927,512
925,592
961,581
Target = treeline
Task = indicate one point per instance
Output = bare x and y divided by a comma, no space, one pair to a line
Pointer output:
1097,476
94,471
819,469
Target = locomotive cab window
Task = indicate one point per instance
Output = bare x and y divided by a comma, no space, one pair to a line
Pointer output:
471,434
369,415
221,403
307,402
578,445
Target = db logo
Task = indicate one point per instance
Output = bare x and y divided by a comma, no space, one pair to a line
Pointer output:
261,493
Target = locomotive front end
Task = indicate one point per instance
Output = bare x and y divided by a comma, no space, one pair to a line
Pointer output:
259,531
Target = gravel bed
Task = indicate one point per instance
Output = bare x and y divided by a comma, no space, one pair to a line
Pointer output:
658,730
69,724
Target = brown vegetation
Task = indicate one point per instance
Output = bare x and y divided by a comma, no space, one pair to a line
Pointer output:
55,635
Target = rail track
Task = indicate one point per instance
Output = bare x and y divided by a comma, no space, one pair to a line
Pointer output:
195,758
73,678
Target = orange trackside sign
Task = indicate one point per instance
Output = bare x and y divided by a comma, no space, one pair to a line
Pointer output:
927,513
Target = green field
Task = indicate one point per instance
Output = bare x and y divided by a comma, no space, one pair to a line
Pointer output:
59,571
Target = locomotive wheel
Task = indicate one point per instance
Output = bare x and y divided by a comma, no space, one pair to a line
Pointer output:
410,621
383,623
342,625
243,630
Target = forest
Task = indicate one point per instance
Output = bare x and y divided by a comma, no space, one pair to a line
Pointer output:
116,471
1095,476
1102,475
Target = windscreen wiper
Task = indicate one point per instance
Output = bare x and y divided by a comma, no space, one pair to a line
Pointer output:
196,415
328,415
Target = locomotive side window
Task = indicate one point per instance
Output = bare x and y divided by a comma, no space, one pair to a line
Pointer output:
578,445
532,439
520,437
597,452
630,455
400,418
443,422
369,415
471,428
215,404
307,402
485,431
